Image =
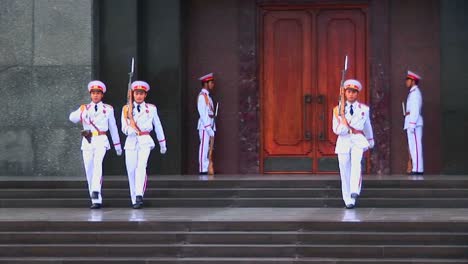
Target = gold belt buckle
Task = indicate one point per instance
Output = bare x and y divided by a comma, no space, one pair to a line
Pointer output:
95,133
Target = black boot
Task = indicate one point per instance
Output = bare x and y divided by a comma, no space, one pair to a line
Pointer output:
95,206
95,195
138,202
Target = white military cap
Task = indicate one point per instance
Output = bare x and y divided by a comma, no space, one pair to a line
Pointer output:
96,85
413,76
140,85
352,84
206,78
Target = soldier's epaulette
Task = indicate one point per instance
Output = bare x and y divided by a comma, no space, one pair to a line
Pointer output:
335,111
361,105
125,108
82,107
205,97
152,105
125,111
108,105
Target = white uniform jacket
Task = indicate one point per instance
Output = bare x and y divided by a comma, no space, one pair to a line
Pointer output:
145,120
103,119
205,110
360,120
413,116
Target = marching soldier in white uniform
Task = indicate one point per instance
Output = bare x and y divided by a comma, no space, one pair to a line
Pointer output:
206,127
96,118
139,142
355,136
414,122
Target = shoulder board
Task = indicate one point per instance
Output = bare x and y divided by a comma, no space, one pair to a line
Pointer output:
205,96
361,105
108,105
335,111
125,111
151,105
82,107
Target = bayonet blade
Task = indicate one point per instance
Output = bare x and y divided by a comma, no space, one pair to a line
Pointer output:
346,63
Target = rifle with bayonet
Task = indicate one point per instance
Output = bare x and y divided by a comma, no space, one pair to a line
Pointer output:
129,113
210,151
341,99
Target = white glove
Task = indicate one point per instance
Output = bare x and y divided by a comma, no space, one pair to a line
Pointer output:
210,132
118,150
163,150
131,131
343,130
371,143
412,130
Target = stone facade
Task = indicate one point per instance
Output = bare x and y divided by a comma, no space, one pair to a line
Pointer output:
45,64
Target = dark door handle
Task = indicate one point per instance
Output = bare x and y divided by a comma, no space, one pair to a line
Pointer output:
307,101
321,101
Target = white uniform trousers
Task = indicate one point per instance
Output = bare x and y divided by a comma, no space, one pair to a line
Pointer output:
203,160
93,168
350,171
136,161
415,148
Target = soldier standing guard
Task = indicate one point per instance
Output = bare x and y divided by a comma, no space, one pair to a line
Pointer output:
355,136
206,127
96,118
414,123
139,142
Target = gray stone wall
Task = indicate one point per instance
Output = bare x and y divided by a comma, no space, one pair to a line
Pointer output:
45,64
454,79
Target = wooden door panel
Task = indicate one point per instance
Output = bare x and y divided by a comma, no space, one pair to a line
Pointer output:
339,33
303,50
286,80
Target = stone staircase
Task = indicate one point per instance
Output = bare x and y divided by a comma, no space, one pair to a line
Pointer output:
233,242
235,220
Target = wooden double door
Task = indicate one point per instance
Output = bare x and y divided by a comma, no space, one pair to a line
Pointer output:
302,55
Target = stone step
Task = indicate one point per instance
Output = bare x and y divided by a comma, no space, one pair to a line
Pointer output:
138,260
329,182
240,202
383,226
234,251
287,238
238,193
